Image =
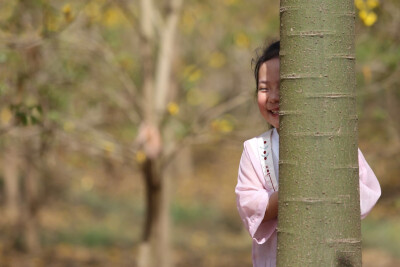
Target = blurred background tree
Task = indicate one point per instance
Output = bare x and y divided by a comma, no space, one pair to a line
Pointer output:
75,114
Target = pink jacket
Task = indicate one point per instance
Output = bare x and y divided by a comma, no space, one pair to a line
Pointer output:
252,199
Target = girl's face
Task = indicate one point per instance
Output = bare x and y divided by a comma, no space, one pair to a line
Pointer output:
268,91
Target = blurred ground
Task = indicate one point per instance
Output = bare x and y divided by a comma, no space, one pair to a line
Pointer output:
101,227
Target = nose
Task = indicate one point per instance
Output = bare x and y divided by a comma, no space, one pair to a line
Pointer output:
274,96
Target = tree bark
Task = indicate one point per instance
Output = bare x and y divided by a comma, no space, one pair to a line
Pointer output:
153,185
157,60
165,58
31,203
319,203
11,182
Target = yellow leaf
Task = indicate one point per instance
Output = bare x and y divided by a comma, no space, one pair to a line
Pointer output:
363,14
7,9
93,10
108,146
66,8
188,21
222,125
6,116
360,4
87,183
230,2
140,156
217,60
211,99
195,75
372,3
173,108
370,19
242,40
113,17
67,11
188,69
52,23
199,239
194,97
366,70
69,126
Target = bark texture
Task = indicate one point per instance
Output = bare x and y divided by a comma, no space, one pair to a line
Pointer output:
319,203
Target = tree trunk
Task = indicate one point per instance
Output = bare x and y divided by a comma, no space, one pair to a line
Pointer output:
319,203
12,203
149,251
31,205
11,184
157,58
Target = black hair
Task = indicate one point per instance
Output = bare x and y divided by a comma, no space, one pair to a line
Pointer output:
269,52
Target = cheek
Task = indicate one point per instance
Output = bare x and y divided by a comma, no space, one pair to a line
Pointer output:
261,101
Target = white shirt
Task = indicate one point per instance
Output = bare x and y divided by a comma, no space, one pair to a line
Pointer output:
275,152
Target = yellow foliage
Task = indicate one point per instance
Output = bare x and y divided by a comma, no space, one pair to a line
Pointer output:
199,239
7,9
363,14
231,2
67,11
126,62
52,23
140,156
6,116
366,70
187,22
64,251
108,146
68,126
93,11
113,17
372,4
366,13
222,125
194,97
87,183
173,108
370,19
188,69
217,60
242,40
212,99
360,4
195,75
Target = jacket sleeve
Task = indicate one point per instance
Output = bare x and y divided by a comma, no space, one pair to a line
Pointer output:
252,198
370,190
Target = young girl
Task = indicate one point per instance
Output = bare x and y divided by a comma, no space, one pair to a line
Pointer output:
256,190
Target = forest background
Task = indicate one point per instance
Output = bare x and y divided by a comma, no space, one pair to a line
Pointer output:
72,105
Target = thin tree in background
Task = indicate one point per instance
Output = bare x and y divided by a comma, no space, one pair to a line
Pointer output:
319,205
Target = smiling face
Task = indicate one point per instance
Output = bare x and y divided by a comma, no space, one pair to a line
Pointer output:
268,91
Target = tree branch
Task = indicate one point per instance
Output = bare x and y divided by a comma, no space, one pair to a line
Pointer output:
165,57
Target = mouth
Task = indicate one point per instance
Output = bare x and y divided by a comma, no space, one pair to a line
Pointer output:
274,112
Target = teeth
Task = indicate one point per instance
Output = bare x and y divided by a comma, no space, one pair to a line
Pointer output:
274,112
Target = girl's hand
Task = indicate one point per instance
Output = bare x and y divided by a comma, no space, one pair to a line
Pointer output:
272,209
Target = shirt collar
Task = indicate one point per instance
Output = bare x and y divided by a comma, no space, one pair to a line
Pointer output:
275,135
